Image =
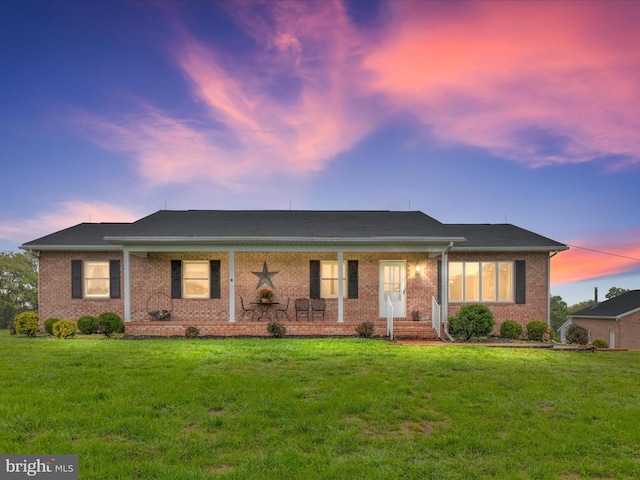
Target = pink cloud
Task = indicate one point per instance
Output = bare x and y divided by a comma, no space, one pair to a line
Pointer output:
65,215
535,82
589,262
293,111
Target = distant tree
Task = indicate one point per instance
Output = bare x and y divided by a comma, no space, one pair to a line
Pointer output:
615,291
18,285
558,312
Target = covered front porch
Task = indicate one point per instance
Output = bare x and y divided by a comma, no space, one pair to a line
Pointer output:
360,291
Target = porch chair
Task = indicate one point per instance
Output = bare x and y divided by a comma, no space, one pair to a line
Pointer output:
284,310
245,310
302,307
318,305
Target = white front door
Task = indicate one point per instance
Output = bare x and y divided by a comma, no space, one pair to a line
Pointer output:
393,285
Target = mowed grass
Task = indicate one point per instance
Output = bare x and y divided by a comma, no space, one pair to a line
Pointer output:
319,408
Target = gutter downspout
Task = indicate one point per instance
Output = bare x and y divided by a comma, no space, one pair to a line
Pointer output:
549,287
445,292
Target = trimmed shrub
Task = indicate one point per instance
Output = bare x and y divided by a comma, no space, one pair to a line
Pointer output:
510,329
88,324
536,330
472,321
48,325
65,328
599,343
27,323
577,334
191,332
276,329
365,329
110,323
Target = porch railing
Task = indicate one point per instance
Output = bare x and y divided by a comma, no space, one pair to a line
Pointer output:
389,319
435,316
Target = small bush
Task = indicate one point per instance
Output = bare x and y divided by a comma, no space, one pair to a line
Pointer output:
88,324
191,332
365,329
110,323
65,328
577,334
48,325
276,329
510,329
472,321
537,330
599,343
27,323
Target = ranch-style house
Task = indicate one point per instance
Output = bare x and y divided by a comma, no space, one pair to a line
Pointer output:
320,272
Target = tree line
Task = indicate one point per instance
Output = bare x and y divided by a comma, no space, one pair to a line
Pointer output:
18,285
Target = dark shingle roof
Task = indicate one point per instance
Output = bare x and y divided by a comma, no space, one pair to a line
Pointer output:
193,226
617,306
502,236
288,223
81,235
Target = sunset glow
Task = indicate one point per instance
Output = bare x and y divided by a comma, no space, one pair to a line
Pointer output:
470,111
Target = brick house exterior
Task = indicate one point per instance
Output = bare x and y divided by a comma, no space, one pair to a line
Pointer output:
616,321
403,256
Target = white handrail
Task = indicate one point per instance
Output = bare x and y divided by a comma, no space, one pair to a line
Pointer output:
435,316
389,319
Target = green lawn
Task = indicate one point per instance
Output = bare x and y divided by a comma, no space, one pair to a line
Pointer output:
322,408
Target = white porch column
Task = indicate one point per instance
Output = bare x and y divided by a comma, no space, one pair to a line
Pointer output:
232,286
340,287
445,287
126,283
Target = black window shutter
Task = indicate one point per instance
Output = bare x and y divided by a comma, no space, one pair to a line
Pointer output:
214,278
76,278
314,278
114,278
440,282
176,278
521,281
352,279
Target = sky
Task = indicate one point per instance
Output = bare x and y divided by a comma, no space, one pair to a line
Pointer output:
471,112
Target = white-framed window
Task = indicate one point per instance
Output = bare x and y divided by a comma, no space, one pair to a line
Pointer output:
96,279
329,279
481,281
195,279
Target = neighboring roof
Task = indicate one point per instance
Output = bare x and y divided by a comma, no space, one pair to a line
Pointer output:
502,236
619,306
291,226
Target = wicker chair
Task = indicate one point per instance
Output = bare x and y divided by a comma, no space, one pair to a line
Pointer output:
302,307
318,305
246,310
284,310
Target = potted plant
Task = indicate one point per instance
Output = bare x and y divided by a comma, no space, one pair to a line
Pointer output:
265,296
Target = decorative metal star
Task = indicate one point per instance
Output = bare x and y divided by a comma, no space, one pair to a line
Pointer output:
265,276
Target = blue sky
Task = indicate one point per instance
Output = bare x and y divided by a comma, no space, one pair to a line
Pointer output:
472,112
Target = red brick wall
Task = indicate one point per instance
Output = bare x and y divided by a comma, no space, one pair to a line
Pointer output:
55,287
627,330
152,275
537,292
